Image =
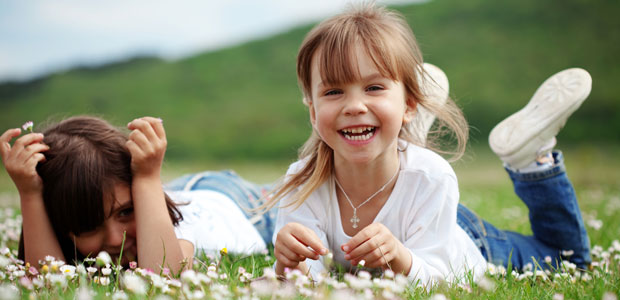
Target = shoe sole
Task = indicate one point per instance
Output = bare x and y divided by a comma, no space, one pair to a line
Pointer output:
435,87
517,139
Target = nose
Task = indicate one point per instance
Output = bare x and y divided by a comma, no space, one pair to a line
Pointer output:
355,104
114,236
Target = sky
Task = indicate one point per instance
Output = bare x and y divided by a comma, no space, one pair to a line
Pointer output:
38,37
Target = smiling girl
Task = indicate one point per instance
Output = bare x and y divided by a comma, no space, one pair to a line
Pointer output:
368,185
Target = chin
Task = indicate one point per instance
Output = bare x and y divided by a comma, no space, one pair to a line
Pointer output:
358,158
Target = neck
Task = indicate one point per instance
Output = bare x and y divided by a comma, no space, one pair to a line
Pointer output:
360,181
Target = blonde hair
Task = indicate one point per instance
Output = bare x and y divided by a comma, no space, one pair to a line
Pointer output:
392,46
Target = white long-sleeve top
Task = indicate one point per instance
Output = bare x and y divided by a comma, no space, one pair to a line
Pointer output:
420,212
212,221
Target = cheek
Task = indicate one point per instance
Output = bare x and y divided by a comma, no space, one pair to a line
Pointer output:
131,229
88,246
392,116
325,116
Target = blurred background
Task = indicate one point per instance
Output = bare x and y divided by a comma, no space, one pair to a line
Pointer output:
222,75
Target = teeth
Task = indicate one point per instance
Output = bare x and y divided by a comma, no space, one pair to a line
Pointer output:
357,129
359,137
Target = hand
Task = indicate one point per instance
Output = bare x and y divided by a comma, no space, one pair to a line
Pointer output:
147,145
376,245
291,247
21,159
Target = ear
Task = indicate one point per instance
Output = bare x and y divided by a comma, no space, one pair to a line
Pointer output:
410,110
311,111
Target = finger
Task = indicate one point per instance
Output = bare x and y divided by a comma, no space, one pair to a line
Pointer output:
6,137
290,254
32,162
19,150
285,261
310,239
29,166
376,261
299,248
380,254
30,150
134,149
144,126
366,247
361,237
141,141
158,126
28,139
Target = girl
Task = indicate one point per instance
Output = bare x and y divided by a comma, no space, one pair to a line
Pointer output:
368,188
86,187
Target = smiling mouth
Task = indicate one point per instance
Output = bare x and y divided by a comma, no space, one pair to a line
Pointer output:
362,133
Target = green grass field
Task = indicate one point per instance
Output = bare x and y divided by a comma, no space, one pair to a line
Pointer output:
485,188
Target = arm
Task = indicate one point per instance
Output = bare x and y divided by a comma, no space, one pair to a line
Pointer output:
431,237
20,161
295,230
158,246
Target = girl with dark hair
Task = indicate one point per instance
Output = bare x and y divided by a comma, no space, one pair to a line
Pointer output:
85,187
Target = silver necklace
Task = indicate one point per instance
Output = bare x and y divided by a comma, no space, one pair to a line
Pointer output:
355,219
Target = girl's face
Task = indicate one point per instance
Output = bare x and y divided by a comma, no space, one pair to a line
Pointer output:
361,120
109,235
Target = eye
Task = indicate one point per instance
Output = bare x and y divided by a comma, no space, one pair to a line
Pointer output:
374,88
125,212
333,92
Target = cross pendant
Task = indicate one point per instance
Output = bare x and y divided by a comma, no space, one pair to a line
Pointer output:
355,219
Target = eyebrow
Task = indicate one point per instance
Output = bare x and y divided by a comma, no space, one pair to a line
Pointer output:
118,208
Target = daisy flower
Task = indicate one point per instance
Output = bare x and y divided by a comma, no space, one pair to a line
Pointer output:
28,126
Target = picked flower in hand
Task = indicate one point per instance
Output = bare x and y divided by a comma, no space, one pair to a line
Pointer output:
28,126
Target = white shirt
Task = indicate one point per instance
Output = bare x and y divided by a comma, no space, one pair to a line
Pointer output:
420,212
212,221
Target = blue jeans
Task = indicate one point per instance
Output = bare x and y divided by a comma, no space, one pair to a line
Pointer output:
245,194
555,219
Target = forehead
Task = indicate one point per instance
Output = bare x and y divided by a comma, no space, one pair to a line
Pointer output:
351,66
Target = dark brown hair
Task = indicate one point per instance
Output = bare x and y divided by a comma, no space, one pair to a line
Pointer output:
87,157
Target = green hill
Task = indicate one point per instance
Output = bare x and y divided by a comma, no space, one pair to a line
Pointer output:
243,102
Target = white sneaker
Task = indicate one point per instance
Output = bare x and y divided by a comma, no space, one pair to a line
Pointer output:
518,139
435,86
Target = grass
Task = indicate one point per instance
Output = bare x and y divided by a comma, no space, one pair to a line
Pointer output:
485,188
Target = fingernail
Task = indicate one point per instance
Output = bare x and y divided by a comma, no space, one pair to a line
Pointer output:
345,248
347,257
160,120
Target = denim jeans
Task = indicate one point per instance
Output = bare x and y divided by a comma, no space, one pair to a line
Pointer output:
554,216
245,194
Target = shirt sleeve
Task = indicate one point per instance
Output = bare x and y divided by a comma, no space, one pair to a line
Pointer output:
431,233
